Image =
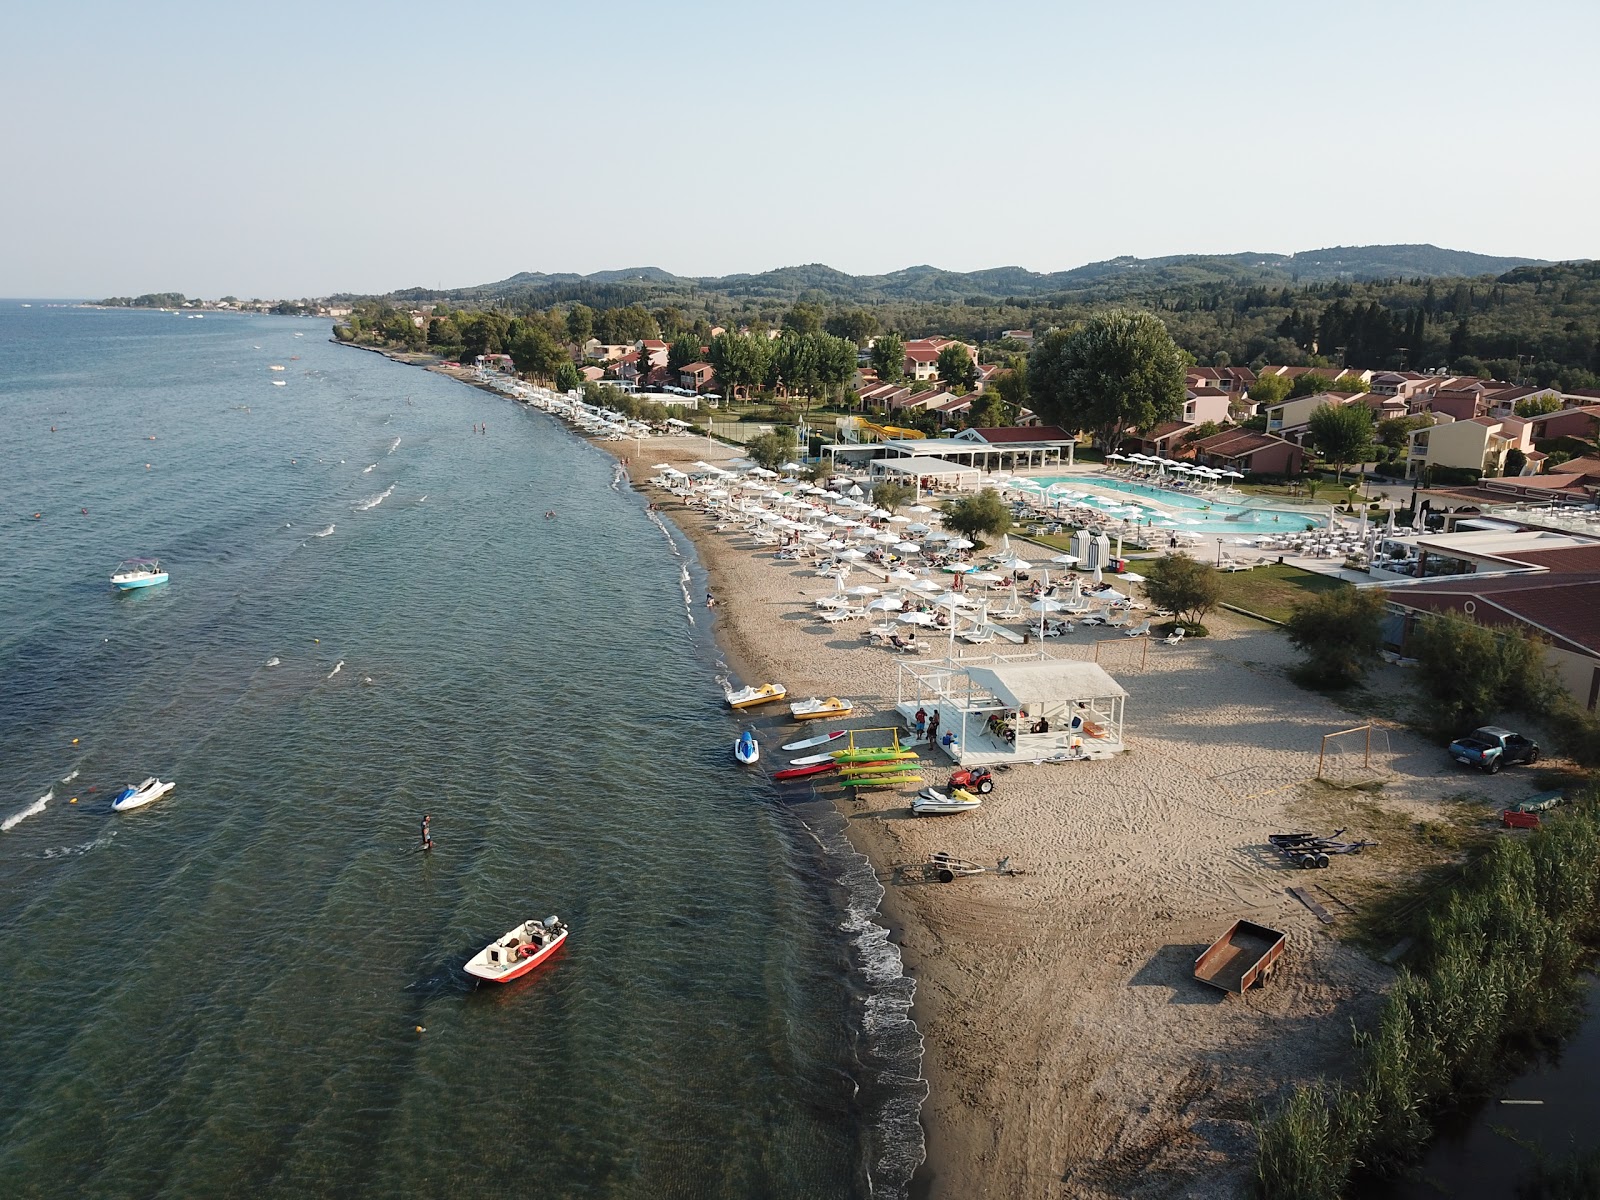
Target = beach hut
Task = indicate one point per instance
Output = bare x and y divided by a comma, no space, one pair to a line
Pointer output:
1007,711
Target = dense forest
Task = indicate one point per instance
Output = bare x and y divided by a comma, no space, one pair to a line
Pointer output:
1538,322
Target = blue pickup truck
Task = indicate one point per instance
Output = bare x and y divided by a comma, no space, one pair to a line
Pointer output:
1491,748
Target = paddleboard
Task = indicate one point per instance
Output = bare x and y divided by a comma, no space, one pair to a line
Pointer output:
812,760
802,772
882,781
809,742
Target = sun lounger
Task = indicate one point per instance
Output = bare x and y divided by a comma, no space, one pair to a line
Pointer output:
1173,638
1138,630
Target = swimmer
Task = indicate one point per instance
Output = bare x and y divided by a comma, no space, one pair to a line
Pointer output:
84,511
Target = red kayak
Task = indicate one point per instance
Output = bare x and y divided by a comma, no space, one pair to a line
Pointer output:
802,772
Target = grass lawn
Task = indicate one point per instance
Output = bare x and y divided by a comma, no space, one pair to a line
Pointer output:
1273,590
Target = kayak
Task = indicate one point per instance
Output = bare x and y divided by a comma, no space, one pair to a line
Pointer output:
872,781
869,754
746,749
807,743
803,772
813,760
877,768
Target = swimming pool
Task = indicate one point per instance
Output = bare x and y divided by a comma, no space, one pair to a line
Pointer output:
1180,510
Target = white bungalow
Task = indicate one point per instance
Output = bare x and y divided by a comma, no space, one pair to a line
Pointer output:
1003,710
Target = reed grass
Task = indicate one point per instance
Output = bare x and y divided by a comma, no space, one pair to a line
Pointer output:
1494,975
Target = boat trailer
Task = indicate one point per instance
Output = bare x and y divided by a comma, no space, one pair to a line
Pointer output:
943,867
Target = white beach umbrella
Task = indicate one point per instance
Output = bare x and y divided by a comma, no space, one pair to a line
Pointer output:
852,554
790,466
927,585
908,547
917,527
986,578
960,543
833,544
880,513
1115,457
1132,577
958,568
918,618
855,490
816,535
886,604
1065,559
897,519
886,537
1046,605
1013,563
919,508
662,467
936,536
861,589
901,575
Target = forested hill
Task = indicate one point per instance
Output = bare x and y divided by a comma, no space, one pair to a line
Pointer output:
1110,280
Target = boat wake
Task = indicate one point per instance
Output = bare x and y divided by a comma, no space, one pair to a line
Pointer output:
890,1049
22,814
394,445
368,470
72,851
337,667
372,502
422,497
70,776
323,532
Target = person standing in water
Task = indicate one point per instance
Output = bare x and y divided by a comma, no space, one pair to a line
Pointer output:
427,836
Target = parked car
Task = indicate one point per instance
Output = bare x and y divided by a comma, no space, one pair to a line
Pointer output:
1491,748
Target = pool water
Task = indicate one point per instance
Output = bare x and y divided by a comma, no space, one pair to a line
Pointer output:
1198,514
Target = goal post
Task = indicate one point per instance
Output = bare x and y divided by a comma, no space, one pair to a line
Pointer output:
1353,752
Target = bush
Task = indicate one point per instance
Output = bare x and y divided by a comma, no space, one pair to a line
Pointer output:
1467,672
1341,633
980,514
1453,476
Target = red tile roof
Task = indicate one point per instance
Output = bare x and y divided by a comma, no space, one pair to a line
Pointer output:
999,435
1561,606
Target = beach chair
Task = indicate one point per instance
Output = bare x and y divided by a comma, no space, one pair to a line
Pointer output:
1173,638
1118,618
978,636
1138,630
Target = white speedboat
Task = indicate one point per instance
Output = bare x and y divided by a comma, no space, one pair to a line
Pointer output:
138,573
518,951
931,802
140,795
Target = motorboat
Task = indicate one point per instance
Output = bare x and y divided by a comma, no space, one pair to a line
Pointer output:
518,951
813,709
931,802
138,573
749,697
139,795
747,750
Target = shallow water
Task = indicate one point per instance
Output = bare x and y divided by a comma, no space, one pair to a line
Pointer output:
223,991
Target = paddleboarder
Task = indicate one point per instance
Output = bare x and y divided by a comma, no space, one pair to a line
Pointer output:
427,836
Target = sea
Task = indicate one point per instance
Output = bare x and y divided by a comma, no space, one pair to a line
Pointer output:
254,986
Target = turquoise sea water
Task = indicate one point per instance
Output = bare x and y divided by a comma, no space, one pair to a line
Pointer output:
220,994
1208,516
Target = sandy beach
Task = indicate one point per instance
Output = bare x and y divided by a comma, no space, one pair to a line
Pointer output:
1069,1050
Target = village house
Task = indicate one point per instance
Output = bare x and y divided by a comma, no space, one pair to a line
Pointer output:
696,376
1250,452
922,356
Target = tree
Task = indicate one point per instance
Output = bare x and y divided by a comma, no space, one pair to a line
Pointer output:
681,353
1312,383
740,360
892,495
974,515
1184,586
836,364
1203,430
889,358
772,450
989,411
803,318
580,324
1269,390
1119,370
1467,672
1396,431
567,377
1341,632
1012,386
536,353
956,369
1515,461
858,325
1342,433
1537,406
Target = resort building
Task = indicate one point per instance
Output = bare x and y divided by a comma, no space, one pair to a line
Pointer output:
1471,444
970,453
1250,452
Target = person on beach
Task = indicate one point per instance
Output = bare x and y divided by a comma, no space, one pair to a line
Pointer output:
920,722
711,601
427,836
933,727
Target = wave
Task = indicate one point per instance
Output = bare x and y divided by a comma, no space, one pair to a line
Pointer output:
23,814
891,1047
70,775
618,474
337,667
368,470
422,497
273,661
394,445
323,532
82,848
373,501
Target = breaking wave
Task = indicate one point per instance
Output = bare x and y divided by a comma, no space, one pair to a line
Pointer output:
372,502
22,814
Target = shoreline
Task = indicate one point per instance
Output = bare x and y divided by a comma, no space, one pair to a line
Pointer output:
1066,1047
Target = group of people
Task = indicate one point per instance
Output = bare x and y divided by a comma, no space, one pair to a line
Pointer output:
926,725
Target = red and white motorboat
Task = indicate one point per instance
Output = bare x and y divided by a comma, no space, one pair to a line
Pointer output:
519,951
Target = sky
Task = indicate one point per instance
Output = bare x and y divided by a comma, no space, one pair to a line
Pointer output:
299,149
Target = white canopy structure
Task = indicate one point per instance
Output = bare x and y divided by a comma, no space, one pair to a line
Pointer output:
1005,711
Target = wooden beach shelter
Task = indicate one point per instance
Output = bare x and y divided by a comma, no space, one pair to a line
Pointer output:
1002,710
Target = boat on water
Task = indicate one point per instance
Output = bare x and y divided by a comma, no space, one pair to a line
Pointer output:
751,696
813,709
931,802
138,795
747,750
138,573
518,951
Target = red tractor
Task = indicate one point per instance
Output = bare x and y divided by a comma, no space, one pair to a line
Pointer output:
973,779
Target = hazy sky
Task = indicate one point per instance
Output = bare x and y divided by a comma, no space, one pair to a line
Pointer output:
297,149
